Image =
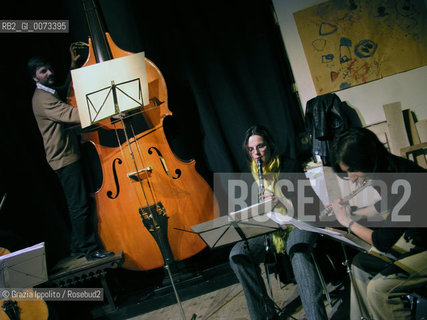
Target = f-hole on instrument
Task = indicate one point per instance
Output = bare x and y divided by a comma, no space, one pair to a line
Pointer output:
141,178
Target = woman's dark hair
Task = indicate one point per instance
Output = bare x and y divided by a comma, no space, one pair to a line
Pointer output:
360,150
34,63
266,136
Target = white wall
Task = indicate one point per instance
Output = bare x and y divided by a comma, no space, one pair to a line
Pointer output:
410,87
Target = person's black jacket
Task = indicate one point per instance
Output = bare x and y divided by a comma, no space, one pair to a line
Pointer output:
326,116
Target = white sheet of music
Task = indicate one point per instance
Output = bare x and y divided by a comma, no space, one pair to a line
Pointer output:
348,239
92,87
24,268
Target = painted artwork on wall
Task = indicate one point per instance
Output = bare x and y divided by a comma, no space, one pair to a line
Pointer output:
347,43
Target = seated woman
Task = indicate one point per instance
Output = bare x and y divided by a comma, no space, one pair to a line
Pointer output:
245,260
378,285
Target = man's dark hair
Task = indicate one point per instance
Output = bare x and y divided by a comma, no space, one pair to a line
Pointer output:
34,63
360,150
265,134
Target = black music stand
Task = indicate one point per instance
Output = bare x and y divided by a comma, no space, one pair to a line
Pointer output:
240,225
24,268
237,226
21,269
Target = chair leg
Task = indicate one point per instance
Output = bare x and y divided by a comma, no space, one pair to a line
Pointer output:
269,253
322,280
267,274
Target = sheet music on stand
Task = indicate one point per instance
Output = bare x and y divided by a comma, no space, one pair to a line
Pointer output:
110,87
335,234
251,221
24,268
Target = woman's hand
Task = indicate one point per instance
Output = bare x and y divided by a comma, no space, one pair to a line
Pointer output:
342,212
270,196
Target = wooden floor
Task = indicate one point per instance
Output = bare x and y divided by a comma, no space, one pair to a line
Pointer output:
207,293
229,303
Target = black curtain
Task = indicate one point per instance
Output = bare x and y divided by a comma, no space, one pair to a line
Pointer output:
34,209
225,67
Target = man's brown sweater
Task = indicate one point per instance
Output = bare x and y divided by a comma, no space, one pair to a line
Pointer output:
53,116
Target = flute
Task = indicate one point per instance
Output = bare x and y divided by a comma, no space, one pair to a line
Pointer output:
328,211
261,188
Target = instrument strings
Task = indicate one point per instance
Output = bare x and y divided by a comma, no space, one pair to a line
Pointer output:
135,165
149,183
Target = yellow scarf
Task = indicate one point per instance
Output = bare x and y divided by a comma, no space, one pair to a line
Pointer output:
271,172
272,167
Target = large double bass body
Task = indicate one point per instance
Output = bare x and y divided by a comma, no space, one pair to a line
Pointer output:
143,180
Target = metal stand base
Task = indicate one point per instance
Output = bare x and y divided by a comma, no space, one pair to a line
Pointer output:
181,309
